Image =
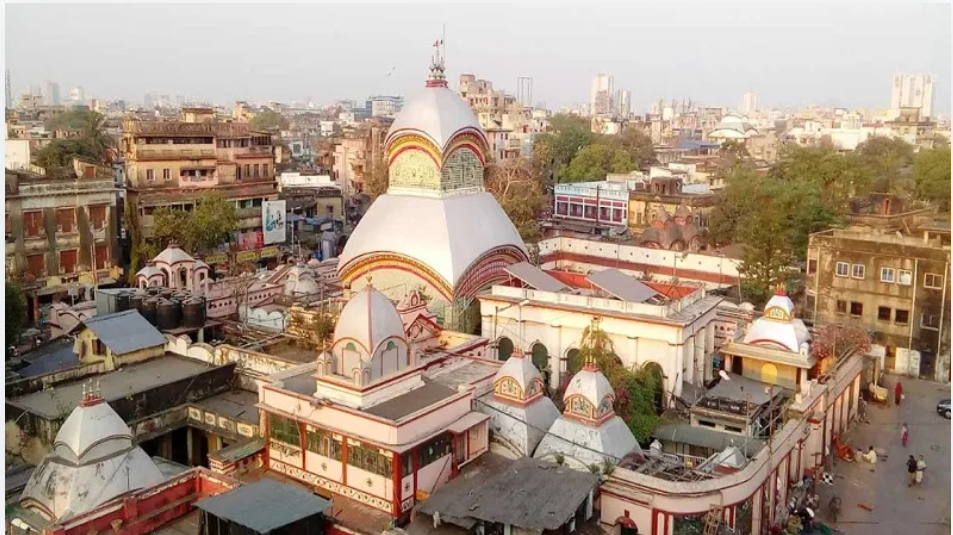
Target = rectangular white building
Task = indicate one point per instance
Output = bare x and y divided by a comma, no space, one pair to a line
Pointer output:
912,91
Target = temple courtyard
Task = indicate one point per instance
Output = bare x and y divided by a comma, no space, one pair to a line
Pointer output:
921,510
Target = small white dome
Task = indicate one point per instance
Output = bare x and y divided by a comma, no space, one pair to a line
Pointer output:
368,319
592,385
436,112
519,372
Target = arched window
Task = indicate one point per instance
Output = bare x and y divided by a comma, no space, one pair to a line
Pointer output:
540,356
655,371
504,348
350,346
573,361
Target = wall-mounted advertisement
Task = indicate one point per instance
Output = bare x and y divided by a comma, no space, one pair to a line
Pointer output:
273,221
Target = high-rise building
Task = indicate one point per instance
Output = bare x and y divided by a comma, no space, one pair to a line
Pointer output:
52,94
912,91
601,96
78,95
9,92
749,103
623,101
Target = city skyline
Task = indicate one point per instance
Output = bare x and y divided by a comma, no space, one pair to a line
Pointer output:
809,64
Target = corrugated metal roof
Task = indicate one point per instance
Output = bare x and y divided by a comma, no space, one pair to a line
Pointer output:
519,494
57,355
239,451
264,506
622,286
707,438
537,278
125,332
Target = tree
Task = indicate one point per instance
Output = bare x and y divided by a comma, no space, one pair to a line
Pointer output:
204,228
72,120
552,151
92,144
931,172
269,120
885,156
635,392
637,144
16,312
520,193
140,251
833,342
376,179
596,161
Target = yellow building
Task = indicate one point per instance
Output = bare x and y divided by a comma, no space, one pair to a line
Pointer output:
171,163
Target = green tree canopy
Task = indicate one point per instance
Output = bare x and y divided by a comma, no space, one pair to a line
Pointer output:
92,144
931,172
773,214
269,120
885,157
636,392
596,161
204,228
73,119
16,313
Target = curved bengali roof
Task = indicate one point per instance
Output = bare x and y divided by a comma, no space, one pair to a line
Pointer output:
446,234
369,318
173,254
436,112
149,271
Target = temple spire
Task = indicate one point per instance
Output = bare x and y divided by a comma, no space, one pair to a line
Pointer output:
438,76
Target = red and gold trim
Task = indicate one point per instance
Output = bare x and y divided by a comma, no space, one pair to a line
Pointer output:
367,264
488,270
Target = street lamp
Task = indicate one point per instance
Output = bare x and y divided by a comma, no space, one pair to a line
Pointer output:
496,314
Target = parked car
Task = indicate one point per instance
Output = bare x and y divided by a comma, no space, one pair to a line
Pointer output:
943,407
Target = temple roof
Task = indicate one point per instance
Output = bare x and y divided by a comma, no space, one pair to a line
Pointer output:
173,254
436,112
368,318
94,460
590,383
446,234
778,326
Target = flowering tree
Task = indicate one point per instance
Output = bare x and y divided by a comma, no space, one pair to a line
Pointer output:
833,342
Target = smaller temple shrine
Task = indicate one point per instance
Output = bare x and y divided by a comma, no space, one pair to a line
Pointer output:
94,461
519,410
588,432
775,348
380,417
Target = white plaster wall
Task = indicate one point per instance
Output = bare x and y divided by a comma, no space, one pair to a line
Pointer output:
313,463
434,475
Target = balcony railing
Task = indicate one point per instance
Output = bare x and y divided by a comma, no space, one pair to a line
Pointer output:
174,154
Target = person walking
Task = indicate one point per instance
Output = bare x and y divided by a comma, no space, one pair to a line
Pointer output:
904,434
898,393
912,470
921,466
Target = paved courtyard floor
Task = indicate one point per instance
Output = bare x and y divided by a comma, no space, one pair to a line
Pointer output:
896,509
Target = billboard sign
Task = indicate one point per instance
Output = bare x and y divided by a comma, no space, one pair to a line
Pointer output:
273,221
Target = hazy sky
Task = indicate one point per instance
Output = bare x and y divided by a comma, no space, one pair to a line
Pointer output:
788,54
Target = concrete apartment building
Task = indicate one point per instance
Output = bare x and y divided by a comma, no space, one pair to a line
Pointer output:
171,163
912,91
58,227
894,283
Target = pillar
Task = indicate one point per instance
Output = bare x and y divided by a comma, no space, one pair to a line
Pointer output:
398,491
190,445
